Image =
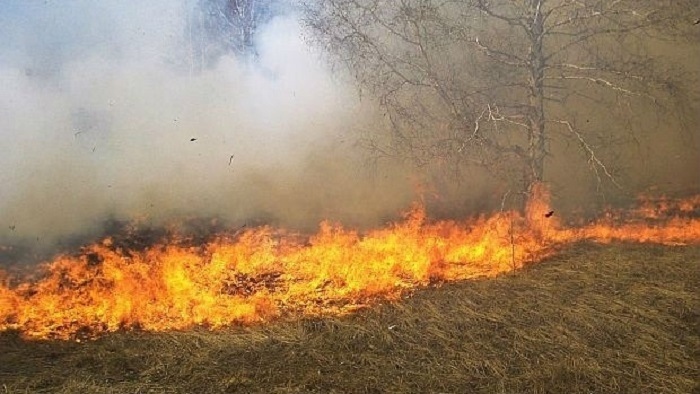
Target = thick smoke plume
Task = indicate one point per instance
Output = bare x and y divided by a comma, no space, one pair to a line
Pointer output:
103,115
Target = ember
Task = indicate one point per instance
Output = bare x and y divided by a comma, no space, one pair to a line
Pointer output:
265,273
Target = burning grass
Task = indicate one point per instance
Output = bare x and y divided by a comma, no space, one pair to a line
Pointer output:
265,274
620,318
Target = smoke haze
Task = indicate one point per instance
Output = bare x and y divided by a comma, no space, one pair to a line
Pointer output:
104,113
104,116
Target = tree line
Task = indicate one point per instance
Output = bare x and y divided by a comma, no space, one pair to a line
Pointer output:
495,84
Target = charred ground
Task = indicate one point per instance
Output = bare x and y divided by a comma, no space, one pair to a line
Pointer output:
593,319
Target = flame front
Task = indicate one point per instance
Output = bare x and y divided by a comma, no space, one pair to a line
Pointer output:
266,273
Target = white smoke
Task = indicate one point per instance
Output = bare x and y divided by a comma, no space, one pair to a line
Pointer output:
101,114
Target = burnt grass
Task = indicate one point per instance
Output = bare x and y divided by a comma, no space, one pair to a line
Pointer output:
593,319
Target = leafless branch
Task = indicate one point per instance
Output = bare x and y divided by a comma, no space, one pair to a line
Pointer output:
593,159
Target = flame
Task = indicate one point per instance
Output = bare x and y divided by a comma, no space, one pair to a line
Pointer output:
267,273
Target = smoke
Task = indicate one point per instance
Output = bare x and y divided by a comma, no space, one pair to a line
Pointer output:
103,115
106,112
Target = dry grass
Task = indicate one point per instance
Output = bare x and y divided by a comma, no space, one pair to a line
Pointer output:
594,319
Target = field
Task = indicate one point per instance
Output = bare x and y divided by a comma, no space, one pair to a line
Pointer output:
593,319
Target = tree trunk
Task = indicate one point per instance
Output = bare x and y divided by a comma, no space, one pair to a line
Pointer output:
536,119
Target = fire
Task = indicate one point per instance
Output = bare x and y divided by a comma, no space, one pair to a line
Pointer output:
267,273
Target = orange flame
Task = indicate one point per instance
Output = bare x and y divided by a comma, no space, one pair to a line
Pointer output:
266,273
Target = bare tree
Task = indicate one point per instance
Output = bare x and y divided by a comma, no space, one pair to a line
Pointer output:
495,83
219,27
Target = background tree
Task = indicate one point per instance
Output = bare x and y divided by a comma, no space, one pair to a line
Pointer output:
219,27
501,84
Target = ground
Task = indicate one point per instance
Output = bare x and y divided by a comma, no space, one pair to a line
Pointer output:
593,319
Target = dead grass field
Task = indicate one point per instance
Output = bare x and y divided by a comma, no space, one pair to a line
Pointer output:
593,319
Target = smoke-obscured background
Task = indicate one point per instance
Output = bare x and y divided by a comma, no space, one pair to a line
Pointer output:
99,106
107,111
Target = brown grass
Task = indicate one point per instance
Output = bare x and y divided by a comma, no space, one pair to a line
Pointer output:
594,319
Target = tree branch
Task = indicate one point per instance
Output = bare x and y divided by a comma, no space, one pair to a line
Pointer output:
593,160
